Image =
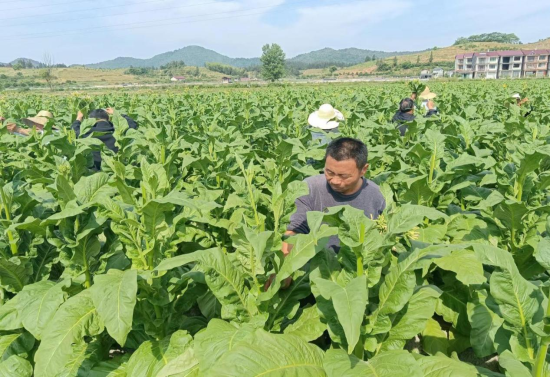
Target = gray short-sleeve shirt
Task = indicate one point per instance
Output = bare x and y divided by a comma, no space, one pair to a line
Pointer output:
322,196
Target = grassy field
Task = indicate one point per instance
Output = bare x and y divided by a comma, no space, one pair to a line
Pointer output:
93,77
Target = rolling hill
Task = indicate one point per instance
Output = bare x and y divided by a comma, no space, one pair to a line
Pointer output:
446,55
198,56
191,55
345,56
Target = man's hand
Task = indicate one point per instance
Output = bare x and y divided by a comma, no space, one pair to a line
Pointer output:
11,127
2,119
79,116
524,101
110,110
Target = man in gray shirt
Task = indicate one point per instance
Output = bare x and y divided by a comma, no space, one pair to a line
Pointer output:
342,184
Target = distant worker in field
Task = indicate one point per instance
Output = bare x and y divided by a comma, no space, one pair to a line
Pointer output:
406,110
323,122
519,101
37,122
104,126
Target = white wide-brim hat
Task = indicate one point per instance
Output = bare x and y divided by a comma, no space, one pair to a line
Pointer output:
427,94
326,118
40,119
516,96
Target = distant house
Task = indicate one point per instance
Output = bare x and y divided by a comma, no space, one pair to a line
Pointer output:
244,79
438,72
227,80
425,74
177,78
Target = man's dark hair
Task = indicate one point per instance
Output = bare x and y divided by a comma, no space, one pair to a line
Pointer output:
406,105
347,148
99,114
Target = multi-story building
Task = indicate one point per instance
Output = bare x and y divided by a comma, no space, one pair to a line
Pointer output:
536,63
464,65
503,64
486,65
511,64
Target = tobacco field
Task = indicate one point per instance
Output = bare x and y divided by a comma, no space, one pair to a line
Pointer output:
156,265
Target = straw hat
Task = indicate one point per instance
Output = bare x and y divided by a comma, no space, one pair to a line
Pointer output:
326,118
40,119
516,96
426,94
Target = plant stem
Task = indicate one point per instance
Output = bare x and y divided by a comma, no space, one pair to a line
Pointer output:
432,168
540,370
11,239
360,271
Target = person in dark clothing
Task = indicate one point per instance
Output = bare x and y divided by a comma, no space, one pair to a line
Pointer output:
103,125
406,114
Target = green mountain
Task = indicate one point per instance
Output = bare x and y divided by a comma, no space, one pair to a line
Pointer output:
34,63
347,56
199,56
191,55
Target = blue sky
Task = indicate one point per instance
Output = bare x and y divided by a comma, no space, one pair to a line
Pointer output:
88,31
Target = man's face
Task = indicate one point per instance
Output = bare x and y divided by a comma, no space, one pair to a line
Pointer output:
343,176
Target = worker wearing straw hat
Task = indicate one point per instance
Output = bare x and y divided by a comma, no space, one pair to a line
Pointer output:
323,122
37,122
427,98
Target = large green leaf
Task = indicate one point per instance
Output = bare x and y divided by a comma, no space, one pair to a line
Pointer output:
308,326
227,283
114,296
349,302
93,189
271,355
519,301
441,366
413,320
14,273
152,356
388,364
84,357
219,338
465,264
409,216
10,318
37,305
15,366
485,324
18,344
513,367
74,320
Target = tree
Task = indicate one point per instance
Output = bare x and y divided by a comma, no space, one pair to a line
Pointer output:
18,66
431,57
197,72
273,62
332,69
395,61
490,37
373,58
367,59
383,66
418,59
47,73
